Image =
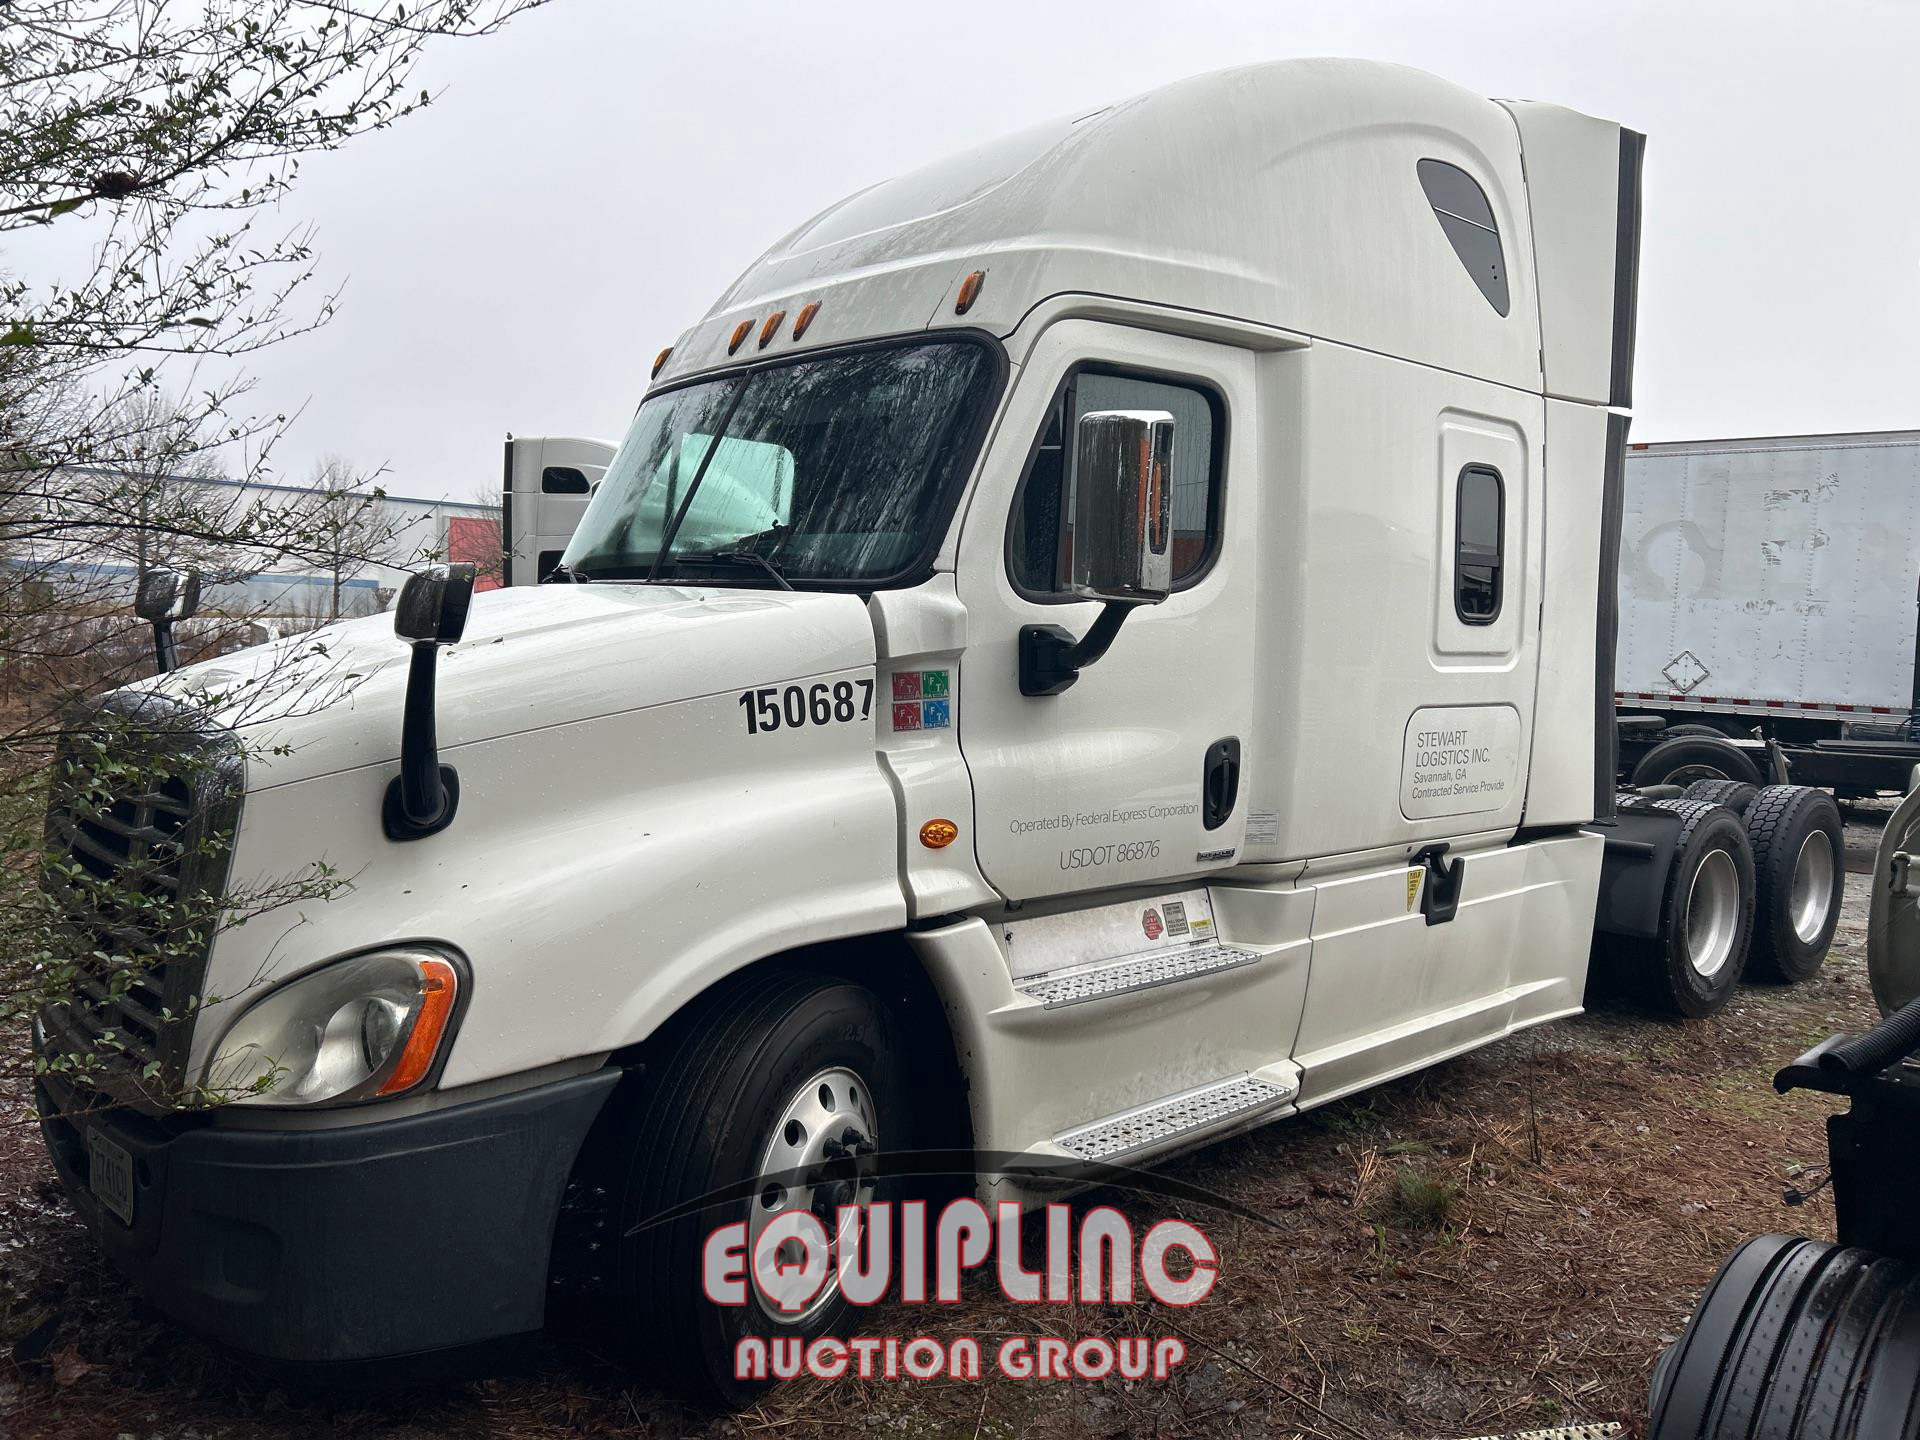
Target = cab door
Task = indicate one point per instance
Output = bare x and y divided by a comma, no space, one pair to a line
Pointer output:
1137,773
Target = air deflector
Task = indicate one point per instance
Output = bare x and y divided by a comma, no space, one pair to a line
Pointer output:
1461,207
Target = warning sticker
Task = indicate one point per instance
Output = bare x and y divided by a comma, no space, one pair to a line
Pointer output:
1413,886
1176,913
922,700
1150,922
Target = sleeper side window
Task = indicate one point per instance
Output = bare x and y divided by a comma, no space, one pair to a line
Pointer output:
1040,540
1478,545
562,480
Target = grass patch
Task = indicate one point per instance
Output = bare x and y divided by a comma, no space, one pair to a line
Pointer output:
1421,1202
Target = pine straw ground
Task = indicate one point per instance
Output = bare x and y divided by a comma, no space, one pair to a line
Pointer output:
1505,1241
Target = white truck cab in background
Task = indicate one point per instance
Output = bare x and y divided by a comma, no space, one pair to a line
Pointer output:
1099,643
544,490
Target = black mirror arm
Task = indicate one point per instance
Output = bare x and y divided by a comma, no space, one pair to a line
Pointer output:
1051,659
421,799
166,656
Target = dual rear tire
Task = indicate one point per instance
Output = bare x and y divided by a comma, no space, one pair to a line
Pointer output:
1755,887
1798,856
1706,915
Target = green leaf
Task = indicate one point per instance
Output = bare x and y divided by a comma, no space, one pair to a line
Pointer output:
20,332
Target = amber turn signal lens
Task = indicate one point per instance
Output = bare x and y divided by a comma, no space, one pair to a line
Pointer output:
439,985
659,362
969,292
938,834
772,327
805,318
740,332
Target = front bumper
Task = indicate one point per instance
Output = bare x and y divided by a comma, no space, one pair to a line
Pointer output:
369,1242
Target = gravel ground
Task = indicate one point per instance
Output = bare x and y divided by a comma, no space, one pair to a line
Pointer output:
1503,1241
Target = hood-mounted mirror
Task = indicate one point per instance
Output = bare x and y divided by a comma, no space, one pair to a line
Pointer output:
164,597
431,612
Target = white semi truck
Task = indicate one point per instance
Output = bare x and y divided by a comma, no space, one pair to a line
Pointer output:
1088,647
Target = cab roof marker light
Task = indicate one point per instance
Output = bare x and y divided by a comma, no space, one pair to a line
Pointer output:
771,328
739,335
969,292
660,363
805,318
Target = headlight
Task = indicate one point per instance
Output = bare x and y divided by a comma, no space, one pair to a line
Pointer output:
356,1029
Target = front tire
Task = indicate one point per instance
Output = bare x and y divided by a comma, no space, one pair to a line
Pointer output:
1798,850
722,1104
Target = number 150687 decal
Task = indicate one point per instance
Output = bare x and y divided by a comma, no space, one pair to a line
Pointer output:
818,704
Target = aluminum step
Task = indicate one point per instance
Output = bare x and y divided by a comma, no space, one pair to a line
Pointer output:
1150,1126
1134,972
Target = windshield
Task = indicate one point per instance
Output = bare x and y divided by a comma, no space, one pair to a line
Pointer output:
840,468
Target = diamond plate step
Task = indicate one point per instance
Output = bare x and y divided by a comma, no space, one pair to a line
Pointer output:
1136,972
1177,1115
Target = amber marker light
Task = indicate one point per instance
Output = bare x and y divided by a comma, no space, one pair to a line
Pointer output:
739,334
938,834
771,328
660,361
969,292
438,987
805,318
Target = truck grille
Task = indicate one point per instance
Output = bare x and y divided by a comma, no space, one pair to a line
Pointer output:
142,809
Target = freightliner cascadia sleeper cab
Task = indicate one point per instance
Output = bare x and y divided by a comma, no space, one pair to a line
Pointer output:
1091,646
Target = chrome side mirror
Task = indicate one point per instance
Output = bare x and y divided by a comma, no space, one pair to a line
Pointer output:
165,596
1122,507
1121,539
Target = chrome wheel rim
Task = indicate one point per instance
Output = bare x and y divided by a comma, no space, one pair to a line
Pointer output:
1713,914
1810,902
828,1118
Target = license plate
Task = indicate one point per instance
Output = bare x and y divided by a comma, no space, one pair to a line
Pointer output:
110,1174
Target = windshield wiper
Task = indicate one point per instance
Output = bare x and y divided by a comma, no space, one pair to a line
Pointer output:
565,574
737,557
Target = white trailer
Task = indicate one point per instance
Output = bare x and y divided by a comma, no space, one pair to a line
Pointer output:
1089,647
1768,589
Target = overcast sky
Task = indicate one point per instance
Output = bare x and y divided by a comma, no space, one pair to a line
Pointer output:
590,179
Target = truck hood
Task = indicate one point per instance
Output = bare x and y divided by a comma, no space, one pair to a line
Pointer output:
530,659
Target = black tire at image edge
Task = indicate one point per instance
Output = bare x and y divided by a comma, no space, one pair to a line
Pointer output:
1795,1339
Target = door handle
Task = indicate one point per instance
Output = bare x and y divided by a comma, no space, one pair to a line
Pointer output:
1440,896
1220,782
